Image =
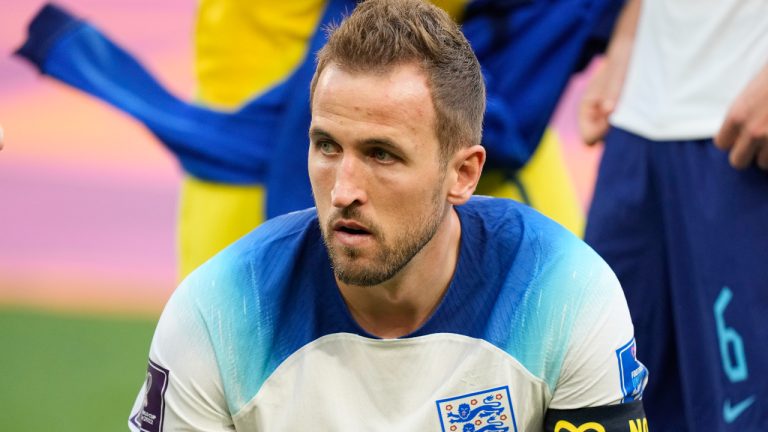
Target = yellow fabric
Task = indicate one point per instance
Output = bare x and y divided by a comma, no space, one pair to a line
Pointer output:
244,46
213,215
455,8
547,185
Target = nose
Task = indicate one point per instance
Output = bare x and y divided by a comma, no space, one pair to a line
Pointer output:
349,187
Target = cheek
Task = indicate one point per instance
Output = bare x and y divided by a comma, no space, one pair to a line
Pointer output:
321,196
320,177
321,188
407,201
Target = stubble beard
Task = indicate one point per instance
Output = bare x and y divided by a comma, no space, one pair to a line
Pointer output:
391,258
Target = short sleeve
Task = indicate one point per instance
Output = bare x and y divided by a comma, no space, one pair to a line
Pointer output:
600,366
183,388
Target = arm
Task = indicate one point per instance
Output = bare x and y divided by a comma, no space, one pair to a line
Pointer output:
212,145
602,93
601,381
744,133
628,417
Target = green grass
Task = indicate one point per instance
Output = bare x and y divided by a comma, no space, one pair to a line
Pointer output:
65,373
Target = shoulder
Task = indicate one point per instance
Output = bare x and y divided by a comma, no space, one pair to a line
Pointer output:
531,256
275,242
541,252
248,275
230,306
274,233
254,266
551,283
521,230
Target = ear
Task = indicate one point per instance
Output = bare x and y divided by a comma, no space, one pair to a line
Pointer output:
465,168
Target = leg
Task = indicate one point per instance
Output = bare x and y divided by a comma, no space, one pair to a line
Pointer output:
625,227
717,226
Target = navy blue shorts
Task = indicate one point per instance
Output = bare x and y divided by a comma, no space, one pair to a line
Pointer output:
687,236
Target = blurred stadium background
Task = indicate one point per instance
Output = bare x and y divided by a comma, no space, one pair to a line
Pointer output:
87,222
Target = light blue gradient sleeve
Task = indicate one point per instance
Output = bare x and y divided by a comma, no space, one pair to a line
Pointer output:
570,321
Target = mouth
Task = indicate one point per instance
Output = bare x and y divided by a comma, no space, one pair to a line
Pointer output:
350,227
351,233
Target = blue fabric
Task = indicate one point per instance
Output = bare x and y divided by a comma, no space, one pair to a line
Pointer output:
50,23
687,237
228,147
528,50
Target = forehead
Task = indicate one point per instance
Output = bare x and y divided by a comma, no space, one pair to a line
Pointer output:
396,100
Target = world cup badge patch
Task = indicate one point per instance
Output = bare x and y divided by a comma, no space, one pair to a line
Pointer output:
631,372
487,410
150,415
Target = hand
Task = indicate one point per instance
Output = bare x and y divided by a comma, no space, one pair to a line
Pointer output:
603,91
596,105
744,133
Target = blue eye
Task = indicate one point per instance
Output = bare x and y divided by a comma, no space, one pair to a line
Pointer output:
327,147
382,155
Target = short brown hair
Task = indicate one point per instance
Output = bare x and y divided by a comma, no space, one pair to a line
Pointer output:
381,34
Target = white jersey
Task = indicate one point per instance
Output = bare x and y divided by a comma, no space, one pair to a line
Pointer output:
259,338
690,60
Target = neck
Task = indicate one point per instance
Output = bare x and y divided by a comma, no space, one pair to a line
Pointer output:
403,303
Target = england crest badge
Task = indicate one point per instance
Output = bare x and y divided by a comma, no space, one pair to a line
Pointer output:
487,410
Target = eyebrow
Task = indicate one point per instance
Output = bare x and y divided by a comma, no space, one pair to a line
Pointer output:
316,133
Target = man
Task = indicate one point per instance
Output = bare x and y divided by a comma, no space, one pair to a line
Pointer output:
680,221
400,302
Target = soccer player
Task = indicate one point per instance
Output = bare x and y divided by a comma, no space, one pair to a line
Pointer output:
681,222
400,302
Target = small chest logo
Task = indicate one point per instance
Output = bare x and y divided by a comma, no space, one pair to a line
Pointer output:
487,410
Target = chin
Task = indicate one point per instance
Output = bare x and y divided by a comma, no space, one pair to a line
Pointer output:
355,279
355,274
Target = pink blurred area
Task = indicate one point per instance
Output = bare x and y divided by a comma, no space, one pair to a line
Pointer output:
87,196
580,160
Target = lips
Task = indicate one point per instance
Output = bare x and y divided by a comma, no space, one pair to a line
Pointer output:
351,234
350,227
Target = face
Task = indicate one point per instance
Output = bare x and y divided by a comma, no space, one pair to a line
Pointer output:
375,170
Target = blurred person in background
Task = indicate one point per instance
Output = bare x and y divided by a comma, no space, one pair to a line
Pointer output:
681,203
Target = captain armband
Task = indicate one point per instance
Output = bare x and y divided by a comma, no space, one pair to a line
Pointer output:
627,417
